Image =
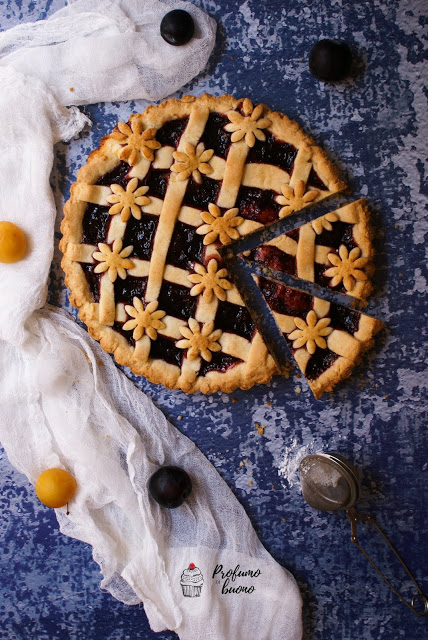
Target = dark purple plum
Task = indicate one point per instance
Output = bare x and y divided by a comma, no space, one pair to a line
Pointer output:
177,27
170,486
330,60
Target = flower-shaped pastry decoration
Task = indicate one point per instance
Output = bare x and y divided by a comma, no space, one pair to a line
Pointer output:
192,162
217,225
144,320
197,342
210,281
129,201
310,334
320,224
114,260
294,199
347,266
249,125
137,142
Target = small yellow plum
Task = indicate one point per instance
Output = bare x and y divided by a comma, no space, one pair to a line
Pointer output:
55,487
13,243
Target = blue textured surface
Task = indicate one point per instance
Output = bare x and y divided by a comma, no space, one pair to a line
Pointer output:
374,128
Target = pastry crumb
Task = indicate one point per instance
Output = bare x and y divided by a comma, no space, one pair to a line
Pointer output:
250,482
297,389
269,404
287,370
234,399
72,89
260,428
179,417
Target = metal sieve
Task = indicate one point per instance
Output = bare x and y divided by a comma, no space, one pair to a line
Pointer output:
329,483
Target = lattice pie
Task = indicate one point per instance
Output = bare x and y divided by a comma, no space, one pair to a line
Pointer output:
147,216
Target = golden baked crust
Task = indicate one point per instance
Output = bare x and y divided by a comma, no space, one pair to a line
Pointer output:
129,328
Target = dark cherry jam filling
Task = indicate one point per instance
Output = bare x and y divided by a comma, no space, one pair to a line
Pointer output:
163,348
257,204
319,362
341,233
96,222
118,326
275,259
186,248
170,133
200,195
118,175
125,290
315,181
219,362
322,280
234,319
214,136
140,234
285,300
273,151
177,301
93,280
343,318
157,181
294,234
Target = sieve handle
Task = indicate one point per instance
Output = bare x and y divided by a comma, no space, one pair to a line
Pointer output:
354,517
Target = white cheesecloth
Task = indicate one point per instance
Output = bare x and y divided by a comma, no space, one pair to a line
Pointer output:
63,401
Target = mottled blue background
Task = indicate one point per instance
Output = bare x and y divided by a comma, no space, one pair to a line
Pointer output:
374,128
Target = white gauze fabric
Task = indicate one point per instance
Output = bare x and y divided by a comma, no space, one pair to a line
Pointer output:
63,402
109,50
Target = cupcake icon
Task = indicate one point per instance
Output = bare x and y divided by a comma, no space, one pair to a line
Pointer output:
192,581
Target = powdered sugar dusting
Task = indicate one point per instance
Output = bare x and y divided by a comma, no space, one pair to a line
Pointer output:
293,456
321,473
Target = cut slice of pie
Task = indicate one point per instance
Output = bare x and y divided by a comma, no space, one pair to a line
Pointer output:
147,215
334,251
326,339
